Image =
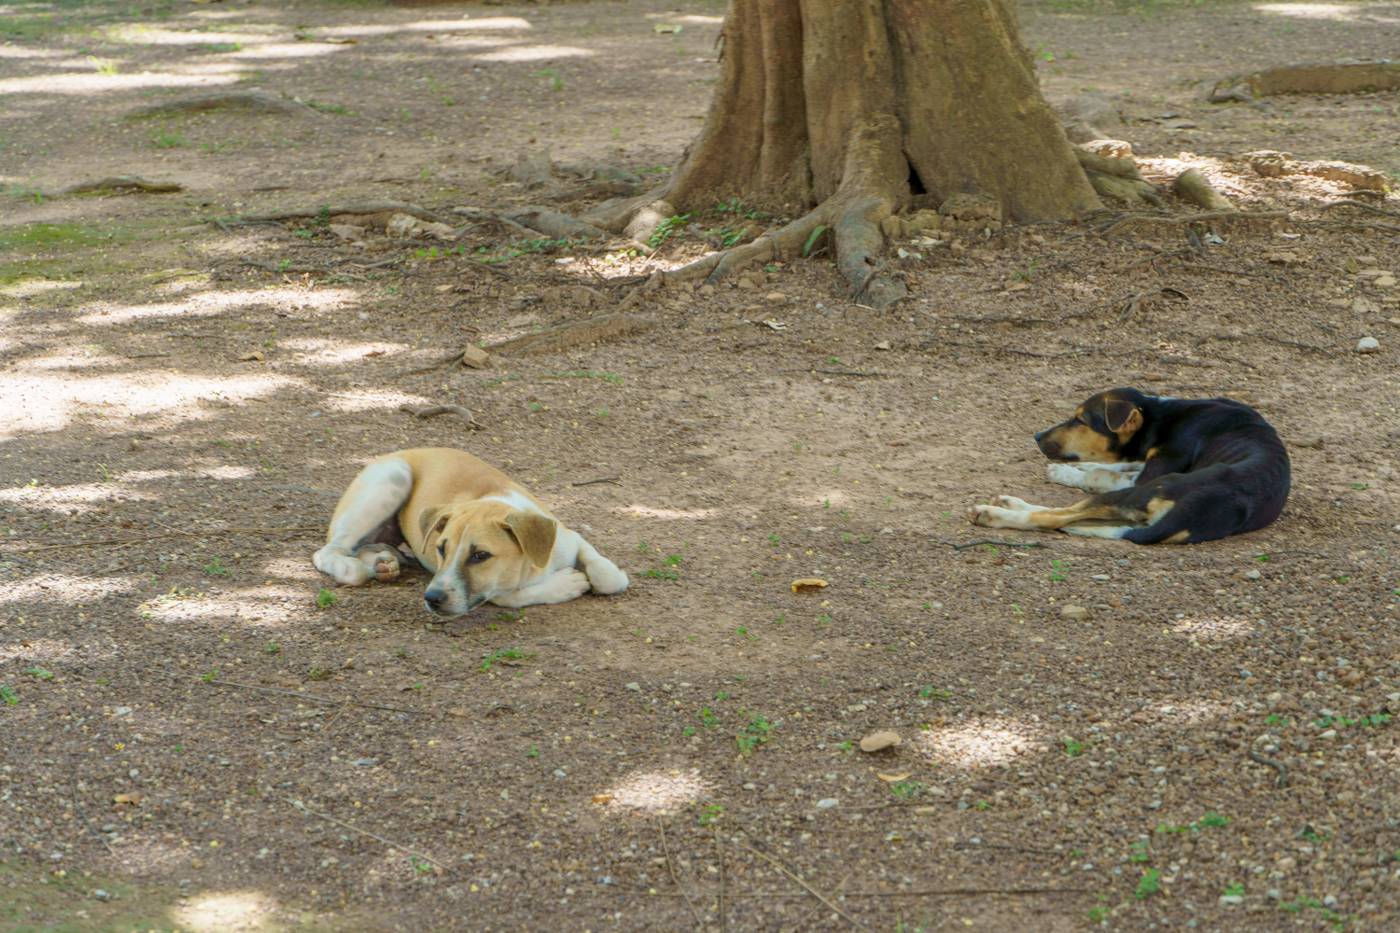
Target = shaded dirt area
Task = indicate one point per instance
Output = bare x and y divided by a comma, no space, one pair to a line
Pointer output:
198,735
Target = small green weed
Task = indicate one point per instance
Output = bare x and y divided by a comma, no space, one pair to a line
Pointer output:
908,790
758,731
505,656
1149,884
671,226
710,813
556,83
8,695
168,140
1234,890
1057,571
325,598
930,692
272,648
215,568
1140,852
210,676
1073,748
39,673
318,673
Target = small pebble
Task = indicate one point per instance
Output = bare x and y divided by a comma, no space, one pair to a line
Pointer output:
102,895
826,803
365,762
1230,900
633,686
878,741
1252,575
1074,612
1368,345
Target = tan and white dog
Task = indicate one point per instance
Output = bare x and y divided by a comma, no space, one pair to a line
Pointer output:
484,537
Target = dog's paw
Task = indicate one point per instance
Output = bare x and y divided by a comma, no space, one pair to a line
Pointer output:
386,567
1064,474
568,584
980,514
606,578
1011,502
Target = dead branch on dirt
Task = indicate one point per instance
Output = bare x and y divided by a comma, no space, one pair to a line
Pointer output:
1281,780
576,333
553,223
279,267
675,877
326,701
119,183
1322,78
432,411
332,210
967,892
804,885
251,101
435,364
855,373
970,544
593,482
1150,218
1192,186
364,832
1361,206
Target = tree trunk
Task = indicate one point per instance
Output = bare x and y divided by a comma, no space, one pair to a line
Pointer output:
847,108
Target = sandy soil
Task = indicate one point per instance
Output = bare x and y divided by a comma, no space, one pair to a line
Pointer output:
200,735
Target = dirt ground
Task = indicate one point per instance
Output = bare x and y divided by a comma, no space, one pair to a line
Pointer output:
199,734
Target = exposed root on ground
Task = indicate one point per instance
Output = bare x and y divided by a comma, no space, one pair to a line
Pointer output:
334,210
575,334
1117,178
119,183
253,101
1192,186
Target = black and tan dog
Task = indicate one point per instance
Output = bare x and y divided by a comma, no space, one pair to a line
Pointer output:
1165,470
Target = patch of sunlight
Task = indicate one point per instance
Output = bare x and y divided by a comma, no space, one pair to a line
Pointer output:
225,911
147,476
833,498
94,83
1334,11
657,791
533,53
318,351
153,35
1189,712
30,286
83,358
11,51
430,25
207,303
365,400
646,511
224,471
227,471
245,608
979,744
39,649
79,497
292,568
42,402
688,18
57,587
1213,628
287,50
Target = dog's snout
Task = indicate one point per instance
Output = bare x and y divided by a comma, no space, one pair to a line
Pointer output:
1040,435
434,598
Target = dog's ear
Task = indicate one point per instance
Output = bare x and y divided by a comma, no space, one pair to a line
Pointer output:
1123,417
534,533
432,521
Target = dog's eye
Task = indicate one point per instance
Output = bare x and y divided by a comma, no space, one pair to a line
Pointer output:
442,549
478,556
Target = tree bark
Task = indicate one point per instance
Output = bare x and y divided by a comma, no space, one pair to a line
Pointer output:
845,109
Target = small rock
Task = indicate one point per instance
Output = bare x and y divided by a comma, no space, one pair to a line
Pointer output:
775,297
1101,577
474,357
1231,900
1074,612
348,231
102,895
1368,345
878,741
365,762
1329,901
1329,734
633,686
560,773
1252,575
121,711
826,803
1109,148
746,282
1384,281
883,345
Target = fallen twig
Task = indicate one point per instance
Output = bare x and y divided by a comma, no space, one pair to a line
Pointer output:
435,364
331,210
602,479
805,886
836,372
1361,206
963,547
364,832
1282,769
675,878
315,699
432,411
576,333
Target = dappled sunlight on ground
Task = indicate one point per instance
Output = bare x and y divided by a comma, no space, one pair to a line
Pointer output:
43,649
369,400
1213,628
206,303
97,83
1339,12
48,403
1189,712
429,25
979,744
69,590
656,791
293,568
77,498
253,607
647,511
223,912
326,352
533,53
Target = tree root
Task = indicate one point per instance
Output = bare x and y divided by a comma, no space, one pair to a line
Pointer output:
1117,178
328,210
119,183
432,411
1192,186
254,101
576,333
